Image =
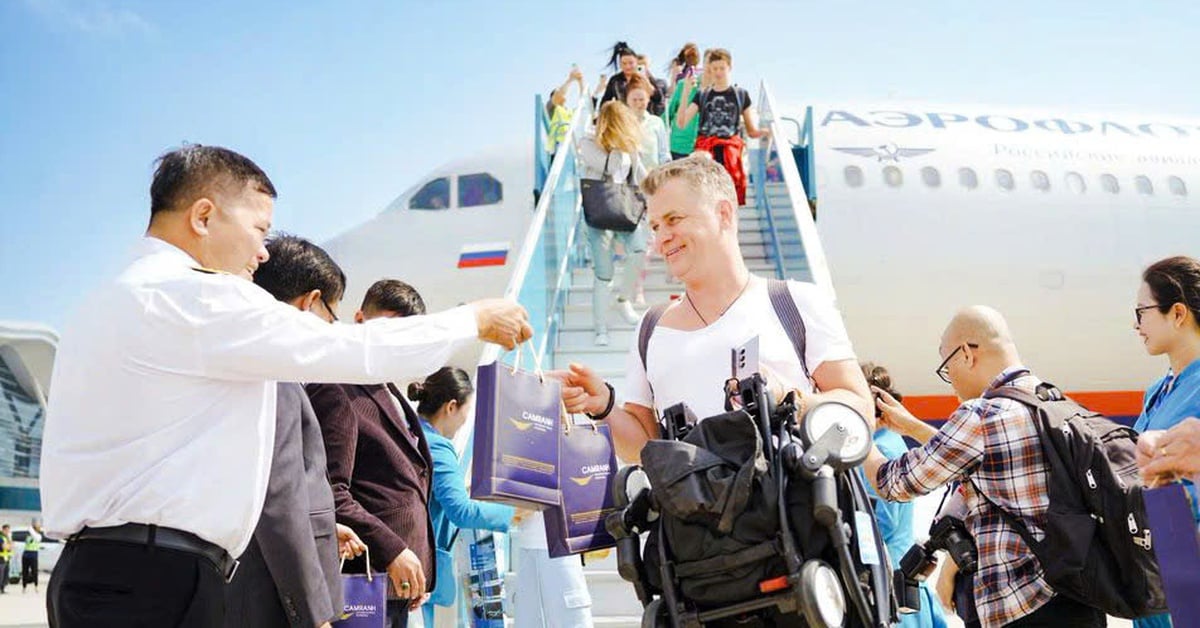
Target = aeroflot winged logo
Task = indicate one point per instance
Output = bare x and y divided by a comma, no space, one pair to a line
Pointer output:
884,152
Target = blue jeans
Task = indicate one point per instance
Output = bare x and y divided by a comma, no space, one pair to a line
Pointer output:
603,246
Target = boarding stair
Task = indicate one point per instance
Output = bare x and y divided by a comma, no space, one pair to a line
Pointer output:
553,279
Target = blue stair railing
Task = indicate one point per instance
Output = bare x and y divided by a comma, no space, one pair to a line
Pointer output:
797,249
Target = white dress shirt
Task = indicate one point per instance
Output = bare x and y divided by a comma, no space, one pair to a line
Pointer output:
163,409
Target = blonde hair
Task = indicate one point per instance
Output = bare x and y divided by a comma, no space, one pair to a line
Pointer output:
702,174
618,129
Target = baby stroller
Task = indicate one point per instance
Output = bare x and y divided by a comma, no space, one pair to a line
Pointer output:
755,519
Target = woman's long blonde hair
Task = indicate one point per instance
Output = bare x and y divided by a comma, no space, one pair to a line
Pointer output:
618,129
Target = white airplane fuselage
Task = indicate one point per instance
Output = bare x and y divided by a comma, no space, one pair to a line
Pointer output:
921,210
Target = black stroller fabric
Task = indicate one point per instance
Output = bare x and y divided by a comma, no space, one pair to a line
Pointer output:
720,514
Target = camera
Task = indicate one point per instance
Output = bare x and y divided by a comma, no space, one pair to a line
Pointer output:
948,533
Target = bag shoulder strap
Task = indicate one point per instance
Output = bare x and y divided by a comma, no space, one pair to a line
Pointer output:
649,322
1011,519
789,316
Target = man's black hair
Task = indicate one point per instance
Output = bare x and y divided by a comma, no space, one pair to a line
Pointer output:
393,295
187,173
297,267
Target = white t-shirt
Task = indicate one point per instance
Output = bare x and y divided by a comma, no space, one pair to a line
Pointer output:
692,366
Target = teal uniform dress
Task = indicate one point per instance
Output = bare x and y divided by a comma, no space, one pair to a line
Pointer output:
1167,402
896,524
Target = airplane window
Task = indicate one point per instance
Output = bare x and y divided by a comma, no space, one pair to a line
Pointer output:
893,177
968,178
1142,183
479,189
1040,180
1004,179
931,176
854,176
433,195
1075,183
1176,185
1109,183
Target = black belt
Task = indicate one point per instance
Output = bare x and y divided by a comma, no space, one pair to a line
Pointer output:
158,536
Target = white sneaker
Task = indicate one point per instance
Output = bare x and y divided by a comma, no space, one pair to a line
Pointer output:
625,308
602,338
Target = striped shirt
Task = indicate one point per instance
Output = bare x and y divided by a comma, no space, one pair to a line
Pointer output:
995,443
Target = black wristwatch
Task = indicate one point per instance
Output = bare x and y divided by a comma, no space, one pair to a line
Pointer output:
612,399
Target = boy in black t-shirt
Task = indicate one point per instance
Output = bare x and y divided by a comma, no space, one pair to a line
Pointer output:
722,107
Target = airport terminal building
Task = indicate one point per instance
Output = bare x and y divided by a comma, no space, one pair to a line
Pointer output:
26,359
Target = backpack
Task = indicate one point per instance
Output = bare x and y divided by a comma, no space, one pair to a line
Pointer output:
1097,548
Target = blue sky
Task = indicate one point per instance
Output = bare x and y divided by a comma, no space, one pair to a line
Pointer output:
346,104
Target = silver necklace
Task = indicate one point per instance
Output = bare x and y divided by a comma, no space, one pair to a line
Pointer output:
735,300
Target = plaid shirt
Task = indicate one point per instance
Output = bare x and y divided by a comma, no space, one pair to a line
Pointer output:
995,443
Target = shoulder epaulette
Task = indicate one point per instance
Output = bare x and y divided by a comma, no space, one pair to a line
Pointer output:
208,271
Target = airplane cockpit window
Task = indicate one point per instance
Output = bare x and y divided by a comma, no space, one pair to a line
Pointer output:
967,178
1109,184
1040,180
1143,185
854,176
931,176
1075,183
1176,185
1004,179
432,195
893,176
479,189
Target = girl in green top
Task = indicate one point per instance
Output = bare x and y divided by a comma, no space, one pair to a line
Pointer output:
683,141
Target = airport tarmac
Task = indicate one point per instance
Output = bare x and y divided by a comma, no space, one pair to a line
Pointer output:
28,610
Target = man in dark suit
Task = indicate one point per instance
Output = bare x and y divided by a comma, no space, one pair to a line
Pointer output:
381,468
289,574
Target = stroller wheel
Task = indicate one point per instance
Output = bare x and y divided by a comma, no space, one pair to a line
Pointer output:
629,482
654,615
822,599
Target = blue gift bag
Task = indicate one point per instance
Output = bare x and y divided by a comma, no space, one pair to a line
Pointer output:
589,463
365,595
515,454
1173,530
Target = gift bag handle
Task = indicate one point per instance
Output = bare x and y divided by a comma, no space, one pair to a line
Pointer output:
342,565
537,363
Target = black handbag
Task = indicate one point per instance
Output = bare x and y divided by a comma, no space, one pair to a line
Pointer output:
612,205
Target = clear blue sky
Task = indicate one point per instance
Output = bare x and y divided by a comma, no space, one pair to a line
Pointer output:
346,104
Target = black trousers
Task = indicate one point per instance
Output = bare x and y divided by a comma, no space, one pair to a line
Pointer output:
29,568
3,574
397,613
1062,612
105,583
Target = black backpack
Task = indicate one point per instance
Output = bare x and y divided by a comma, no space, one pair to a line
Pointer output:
1097,549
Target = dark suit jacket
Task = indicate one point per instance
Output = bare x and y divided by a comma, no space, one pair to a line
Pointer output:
380,468
289,573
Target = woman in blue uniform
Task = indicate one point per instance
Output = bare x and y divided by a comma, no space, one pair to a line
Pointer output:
896,518
1167,318
443,402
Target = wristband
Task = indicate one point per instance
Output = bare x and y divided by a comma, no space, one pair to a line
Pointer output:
612,399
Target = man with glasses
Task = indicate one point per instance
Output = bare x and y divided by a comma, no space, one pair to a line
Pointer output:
289,574
992,445
158,438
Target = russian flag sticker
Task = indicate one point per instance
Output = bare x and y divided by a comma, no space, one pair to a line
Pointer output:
479,255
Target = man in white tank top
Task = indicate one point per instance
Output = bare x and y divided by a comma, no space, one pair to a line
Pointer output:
692,209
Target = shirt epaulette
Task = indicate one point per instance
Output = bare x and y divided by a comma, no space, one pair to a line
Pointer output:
208,271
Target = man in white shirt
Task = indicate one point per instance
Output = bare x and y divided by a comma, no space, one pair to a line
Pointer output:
158,438
692,208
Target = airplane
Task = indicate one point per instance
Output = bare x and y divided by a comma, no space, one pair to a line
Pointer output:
920,209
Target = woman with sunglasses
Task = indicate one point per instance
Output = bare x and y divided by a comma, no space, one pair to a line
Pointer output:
1167,318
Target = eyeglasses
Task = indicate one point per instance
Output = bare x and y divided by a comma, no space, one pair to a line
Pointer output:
943,369
332,314
1137,312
